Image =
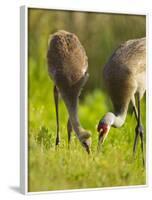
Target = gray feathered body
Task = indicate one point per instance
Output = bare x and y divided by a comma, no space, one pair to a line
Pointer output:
125,73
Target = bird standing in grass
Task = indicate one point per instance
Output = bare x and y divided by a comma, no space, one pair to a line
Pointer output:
125,80
67,66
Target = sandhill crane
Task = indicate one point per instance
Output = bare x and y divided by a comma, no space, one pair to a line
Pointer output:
67,66
124,76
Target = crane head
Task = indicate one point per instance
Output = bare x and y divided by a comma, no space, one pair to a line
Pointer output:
103,130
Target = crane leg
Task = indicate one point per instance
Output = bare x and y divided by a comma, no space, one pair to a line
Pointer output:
56,100
135,111
139,132
69,130
134,107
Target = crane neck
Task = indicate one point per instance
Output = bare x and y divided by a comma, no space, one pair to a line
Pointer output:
72,107
119,119
115,119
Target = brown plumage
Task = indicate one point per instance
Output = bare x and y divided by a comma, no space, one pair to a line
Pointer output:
67,66
67,57
124,76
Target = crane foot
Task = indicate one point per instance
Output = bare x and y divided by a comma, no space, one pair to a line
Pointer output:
57,141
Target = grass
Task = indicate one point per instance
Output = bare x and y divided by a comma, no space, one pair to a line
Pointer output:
63,168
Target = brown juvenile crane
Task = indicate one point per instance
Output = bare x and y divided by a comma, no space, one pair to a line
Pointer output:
124,76
67,66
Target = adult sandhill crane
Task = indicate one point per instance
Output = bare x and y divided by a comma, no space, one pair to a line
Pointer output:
124,76
67,66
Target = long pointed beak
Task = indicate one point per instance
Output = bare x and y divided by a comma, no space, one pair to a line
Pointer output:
101,139
102,136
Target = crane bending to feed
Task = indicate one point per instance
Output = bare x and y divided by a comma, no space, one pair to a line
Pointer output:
67,66
125,79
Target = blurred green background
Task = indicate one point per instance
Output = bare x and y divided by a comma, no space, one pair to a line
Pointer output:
100,34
